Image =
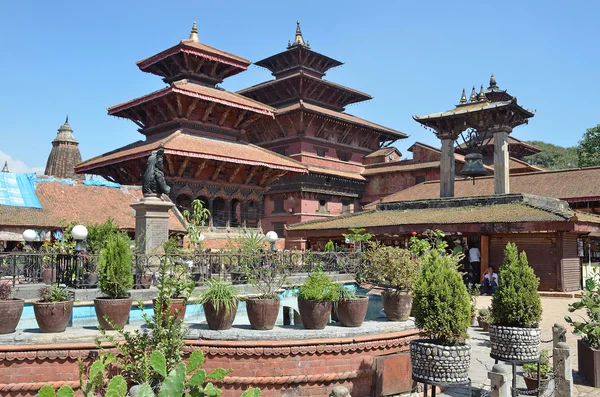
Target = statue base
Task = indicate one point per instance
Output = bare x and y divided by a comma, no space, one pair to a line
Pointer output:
151,224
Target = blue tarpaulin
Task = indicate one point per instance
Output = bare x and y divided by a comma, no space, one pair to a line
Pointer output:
18,190
100,182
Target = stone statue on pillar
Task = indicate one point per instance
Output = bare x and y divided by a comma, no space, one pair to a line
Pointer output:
153,180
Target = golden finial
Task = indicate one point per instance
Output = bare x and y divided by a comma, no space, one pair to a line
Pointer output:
298,40
481,95
463,97
473,97
493,82
194,33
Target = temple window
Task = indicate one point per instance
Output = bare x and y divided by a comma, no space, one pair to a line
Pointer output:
279,228
419,179
320,151
281,150
346,206
322,206
344,156
278,205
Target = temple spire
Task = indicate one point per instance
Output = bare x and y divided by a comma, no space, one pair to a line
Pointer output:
473,97
5,168
493,82
194,33
299,39
67,119
463,97
481,96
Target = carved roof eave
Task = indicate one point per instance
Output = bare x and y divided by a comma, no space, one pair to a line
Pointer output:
270,64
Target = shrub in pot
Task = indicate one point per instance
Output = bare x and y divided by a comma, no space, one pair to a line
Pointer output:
395,269
588,347
441,308
516,310
10,309
115,279
530,373
351,308
178,287
220,302
315,299
53,310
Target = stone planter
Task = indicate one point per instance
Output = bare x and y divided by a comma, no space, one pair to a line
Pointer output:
117,311
532,384
436,363
515,344
219,320
53,316
314,314
396,305
352,312
589,363
10,313
262,313
178,306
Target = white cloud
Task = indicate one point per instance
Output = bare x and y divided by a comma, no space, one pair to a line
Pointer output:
18,166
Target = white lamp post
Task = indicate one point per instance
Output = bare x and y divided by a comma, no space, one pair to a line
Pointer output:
29,235
272,237
79,234
201,237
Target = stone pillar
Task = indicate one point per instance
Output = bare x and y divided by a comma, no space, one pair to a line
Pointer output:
501,162
228,213
500,379
559,334
447,168
244,212
151,224
259,209
563,372
210,209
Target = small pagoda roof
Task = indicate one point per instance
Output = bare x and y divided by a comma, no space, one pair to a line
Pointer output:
341,117
65,134
526,148
192,145
474,107
384,151
311,85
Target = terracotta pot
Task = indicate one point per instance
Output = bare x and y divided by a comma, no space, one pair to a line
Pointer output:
10,313
262,313
53,316
589,363
117,311
532,384
178,306
396,305
352,312
485,326
219,320
48,276
314,314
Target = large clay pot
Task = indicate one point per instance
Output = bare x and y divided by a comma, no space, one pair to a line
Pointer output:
221,319
53,316
532,384
314,314
48,276
589,363
262,313
352,312
178,306
10,313
433,363
117,311
514,343
396,305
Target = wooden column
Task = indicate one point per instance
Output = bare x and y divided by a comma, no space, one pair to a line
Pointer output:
210,208
447,168
228,213
501,162
244,212
484,245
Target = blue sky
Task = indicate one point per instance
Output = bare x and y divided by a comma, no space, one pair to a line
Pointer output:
412,57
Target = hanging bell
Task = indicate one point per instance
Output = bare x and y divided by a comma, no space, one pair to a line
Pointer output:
474,166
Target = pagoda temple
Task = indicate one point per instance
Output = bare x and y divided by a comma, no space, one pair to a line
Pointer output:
311,126
65,154
203,130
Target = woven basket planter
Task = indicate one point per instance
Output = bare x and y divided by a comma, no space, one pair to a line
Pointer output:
433,363
515,344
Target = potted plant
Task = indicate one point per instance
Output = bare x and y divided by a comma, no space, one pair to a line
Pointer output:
266,274
516,310
441,308
483,319
393,268
530,373
179,287
53,310
115,279
10,309
315,299
220,302
588,346
351,308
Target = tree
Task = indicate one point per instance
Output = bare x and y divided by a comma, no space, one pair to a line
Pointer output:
553,157
588,150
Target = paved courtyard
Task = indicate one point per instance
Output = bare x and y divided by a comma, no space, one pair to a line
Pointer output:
554,311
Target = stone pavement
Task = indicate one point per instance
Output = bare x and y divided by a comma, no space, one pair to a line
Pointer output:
554,311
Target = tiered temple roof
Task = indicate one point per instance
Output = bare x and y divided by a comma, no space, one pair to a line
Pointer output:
65,154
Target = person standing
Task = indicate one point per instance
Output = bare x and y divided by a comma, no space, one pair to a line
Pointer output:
474,263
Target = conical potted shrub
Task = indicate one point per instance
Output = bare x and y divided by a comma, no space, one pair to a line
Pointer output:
115,279
516,310
394,269
266,274
10,309
53,310
220,303
315,299
442,311
350,309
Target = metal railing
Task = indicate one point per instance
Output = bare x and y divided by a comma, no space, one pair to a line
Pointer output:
80,270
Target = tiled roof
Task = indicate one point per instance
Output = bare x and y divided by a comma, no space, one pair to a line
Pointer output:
209,94
383,152
392,167
563,184
511,141
344,117
328,171
473,107
193,145
63,203
515,163
501,213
